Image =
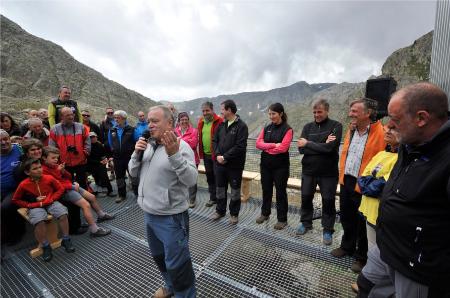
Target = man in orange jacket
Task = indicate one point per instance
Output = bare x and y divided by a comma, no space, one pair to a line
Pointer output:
363,140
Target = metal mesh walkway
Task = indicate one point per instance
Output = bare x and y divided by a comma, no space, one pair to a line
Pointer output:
246,260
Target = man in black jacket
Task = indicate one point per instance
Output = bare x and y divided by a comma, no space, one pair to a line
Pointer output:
121,141
412,256
230,147
319,143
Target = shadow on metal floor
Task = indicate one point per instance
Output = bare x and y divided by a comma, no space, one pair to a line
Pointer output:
246,260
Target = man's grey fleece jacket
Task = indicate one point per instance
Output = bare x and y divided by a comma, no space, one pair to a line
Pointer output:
164,180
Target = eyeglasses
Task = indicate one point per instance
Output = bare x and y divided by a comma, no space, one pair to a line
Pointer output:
86,115
110,113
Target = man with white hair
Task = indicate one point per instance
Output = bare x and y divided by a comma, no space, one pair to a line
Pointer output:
37,130
167,169
12,226
121,141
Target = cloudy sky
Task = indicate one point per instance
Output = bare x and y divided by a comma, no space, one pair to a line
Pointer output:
179,50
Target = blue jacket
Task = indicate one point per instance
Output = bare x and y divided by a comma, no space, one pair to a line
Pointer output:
8,165
140,127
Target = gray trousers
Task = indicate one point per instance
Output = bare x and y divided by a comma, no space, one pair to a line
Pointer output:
388,281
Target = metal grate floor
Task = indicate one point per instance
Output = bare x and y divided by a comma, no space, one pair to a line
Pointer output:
246,260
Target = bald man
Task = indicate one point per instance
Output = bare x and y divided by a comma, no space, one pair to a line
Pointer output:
412,256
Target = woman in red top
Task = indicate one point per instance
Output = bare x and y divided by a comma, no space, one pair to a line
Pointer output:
189,134
274,141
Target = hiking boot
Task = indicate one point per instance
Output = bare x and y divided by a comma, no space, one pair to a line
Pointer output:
120,199
81,230
216,216
327,238
210,203
339,253
162,292
191,203
280,225
101,232
111,194
67,244
105,217
355,288
261,219
47,253
233,220
301,230
357,266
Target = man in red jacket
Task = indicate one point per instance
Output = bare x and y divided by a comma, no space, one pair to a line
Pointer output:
207,127
40,194
72,139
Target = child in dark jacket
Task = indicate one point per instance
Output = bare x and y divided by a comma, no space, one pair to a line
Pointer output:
74,193
40,194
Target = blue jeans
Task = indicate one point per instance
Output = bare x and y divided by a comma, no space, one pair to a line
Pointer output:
168,239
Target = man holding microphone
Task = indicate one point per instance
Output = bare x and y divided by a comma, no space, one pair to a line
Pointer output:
166,168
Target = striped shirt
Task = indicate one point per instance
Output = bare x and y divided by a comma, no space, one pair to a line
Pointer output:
355,153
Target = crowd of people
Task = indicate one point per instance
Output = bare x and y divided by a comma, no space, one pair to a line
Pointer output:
394,181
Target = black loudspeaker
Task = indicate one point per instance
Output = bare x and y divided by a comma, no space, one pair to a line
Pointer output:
381,91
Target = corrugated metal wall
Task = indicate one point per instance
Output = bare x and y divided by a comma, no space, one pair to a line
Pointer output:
440,56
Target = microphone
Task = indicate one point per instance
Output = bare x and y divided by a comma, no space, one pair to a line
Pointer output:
146,135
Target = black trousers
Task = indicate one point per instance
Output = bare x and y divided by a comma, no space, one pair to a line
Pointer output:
78,175
354,240
100,175
120,169
278,177
224,176
12,224
327,186
210,176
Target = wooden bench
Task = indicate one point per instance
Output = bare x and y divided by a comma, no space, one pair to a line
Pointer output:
247,177
52,232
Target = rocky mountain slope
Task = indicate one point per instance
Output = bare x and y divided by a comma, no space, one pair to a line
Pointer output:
33,69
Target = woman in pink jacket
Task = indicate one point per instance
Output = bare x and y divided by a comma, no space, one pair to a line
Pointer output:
189,134
274,141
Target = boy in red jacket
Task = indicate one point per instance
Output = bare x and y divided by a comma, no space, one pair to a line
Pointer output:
40,194
74,193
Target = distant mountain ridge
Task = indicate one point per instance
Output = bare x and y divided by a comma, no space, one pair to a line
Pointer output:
406,65
33,69
252,105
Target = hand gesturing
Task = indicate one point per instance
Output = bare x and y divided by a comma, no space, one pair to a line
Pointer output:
171,142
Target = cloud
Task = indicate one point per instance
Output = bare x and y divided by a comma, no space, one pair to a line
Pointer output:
179,50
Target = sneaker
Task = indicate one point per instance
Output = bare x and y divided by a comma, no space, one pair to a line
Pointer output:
233,220
67,244
191,203
261,219
162,292
210,203
327,238
47,253
339,253
357,266
216,216
101,232
280,225
355,288
120,199
301,230
105,217
111,194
